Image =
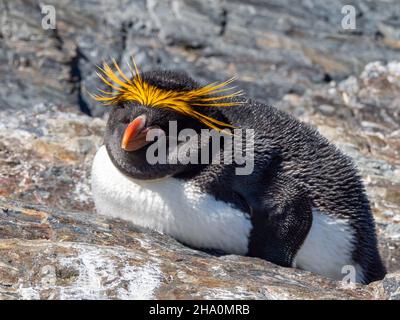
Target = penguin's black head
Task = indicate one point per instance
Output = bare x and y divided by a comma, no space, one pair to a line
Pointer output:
130,121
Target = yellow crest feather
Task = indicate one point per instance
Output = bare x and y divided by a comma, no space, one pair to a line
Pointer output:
136,89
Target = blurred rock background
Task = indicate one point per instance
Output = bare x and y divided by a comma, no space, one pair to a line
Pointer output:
294,55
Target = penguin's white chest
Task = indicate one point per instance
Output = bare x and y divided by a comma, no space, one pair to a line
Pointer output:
169,206
181,210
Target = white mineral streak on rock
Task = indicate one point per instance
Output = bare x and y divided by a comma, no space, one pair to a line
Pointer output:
99,272
102,269
28,293
142,281
237,292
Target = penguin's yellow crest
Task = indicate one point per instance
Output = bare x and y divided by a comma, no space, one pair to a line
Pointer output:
136,89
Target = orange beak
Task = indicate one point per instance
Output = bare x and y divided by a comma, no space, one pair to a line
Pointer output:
134,136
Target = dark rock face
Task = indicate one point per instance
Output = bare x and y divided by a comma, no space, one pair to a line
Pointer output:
295,57
273,46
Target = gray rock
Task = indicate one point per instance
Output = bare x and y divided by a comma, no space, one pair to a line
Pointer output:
274,47
46,154
52,254
388,288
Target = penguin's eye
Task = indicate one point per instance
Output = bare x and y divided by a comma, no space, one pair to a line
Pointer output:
125,120
121,113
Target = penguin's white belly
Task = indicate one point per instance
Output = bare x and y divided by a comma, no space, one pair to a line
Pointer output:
328,248
169,206
181,210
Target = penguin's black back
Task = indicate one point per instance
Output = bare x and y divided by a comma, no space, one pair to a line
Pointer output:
300,153
310,160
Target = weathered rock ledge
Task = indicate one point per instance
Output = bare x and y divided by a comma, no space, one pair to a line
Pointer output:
50,254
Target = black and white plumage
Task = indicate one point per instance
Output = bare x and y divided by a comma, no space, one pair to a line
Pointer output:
304,205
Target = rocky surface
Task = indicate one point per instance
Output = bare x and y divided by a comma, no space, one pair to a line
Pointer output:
45,155
51,254
275,48
297,58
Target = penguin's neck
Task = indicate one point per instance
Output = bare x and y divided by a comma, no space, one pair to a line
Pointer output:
170,206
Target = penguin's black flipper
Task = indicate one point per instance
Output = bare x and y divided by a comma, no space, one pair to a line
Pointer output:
281,222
